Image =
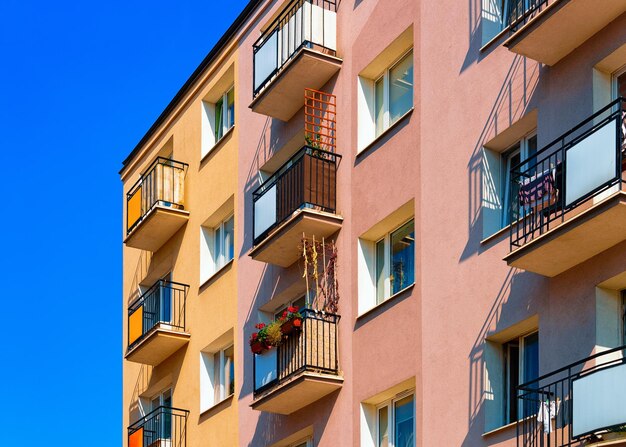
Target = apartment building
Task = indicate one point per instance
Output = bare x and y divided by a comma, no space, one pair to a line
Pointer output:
384,224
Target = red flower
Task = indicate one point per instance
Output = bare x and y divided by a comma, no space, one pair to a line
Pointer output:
260,325
285,314
292,309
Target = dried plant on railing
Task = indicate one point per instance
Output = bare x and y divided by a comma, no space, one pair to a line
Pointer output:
320,274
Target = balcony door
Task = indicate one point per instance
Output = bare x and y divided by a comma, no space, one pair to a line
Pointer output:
159,430
165,299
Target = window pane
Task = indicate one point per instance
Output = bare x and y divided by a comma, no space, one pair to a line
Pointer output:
401,88
219,119
383,427
511,212
531,357
229,239
218,259
379,106
402,257
380,271
229,370
231,109
511,352
404,423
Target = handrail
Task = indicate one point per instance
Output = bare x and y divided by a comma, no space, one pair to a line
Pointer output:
529,12
160,409
164,426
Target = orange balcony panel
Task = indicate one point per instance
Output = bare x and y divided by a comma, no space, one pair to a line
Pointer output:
157,346
136,439
282,98
281,246
562,27
156,228
598,228
302,391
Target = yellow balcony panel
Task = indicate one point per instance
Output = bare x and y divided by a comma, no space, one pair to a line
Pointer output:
298,393
281,246
561,27
156,228
576,240
157,345
282,98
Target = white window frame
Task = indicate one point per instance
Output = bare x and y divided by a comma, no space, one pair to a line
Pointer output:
520,369
505,157
210,262
209,130
614,76
387,264
386,92
391,414
214,390
307,441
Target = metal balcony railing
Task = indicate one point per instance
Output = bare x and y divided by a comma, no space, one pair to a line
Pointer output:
520,12
308,180
163,184
303,24
163,427
577,167
163,305
312,349
575,404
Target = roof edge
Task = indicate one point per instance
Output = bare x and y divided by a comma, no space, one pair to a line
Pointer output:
206,62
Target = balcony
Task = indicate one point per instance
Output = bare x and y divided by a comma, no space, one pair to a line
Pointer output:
302,370
163,427
300,198
156,323
578,405
155,208
567,202
297,50
548,30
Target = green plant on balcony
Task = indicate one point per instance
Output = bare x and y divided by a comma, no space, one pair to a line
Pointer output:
267,336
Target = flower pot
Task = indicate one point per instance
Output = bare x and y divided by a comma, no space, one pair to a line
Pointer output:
258,347
290,326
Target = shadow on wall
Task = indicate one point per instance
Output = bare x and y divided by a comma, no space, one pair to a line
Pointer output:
514,99
516,300
141,386
481,14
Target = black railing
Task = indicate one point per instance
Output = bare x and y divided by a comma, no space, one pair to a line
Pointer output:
313,348
550,410
308,180
163,305
520,12
573,169
163,427
161,184
303,24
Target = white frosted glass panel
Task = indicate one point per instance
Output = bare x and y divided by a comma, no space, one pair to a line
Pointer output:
265,368
265,211
591,162
599,400
265,60
324,24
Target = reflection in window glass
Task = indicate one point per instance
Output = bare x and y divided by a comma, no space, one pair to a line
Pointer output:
404,423
231,108
229,239
379,106
380,271
401,88
383,427
219,119
402,257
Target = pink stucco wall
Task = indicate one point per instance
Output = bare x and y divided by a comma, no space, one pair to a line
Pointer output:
464,290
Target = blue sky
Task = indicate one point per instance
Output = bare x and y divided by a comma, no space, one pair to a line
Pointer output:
80,84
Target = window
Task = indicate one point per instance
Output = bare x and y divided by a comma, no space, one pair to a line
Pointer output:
395,422
224,114
300,303
521,365
217,376
512,157
393,93
161,424
395,267
218,247
218,116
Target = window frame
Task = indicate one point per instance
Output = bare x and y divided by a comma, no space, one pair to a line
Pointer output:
387,289
221,382
521,343
386,106
521,147
391,413
215,382
222,259
228,121
213,248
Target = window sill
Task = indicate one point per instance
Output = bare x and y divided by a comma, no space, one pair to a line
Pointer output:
385,132
215,406
385,302
216,274
505,427
217,144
